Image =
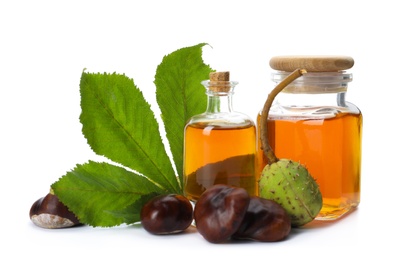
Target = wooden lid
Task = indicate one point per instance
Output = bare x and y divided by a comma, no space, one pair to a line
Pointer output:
311,63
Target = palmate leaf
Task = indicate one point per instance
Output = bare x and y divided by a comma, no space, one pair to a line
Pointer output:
119,124
104,195
180,95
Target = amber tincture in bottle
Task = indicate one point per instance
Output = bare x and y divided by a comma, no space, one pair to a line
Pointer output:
219,144
312,123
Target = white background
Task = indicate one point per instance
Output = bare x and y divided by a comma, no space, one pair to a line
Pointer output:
45,45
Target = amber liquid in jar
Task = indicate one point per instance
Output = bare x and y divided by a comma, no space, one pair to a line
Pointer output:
330,148
219,154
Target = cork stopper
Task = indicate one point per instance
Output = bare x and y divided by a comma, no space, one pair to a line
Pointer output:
312,63
219,76
219,81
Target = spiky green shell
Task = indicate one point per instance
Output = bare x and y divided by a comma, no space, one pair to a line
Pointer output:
290,184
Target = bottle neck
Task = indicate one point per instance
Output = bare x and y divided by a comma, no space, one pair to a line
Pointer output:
219,103
219,96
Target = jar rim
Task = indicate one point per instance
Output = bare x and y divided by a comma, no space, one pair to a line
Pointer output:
315,82
316,77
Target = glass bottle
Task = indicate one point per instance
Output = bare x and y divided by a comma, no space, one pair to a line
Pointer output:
312,123
219,144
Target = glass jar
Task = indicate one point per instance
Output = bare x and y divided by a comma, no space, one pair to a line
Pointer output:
312,122
219,144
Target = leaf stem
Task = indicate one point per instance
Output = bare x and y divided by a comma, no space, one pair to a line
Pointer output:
266,147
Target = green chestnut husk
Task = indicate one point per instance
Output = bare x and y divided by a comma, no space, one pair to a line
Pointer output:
290,184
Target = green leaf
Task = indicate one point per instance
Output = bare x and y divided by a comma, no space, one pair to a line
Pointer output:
119,124
131,214
95,191
180,95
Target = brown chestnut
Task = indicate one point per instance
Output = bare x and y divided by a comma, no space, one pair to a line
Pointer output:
219,211
265,221
167,214
49,212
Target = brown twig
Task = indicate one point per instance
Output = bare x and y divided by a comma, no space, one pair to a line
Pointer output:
267,149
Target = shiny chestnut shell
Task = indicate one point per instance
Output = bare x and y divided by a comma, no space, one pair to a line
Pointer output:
50,212
265,221
167,214
219,212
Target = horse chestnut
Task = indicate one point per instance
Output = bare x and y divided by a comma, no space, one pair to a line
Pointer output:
167,214
219,212
265,221
49,212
